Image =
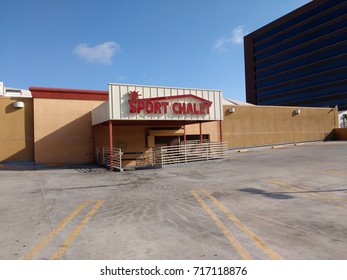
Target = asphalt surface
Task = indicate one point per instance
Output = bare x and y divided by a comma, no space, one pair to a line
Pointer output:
288,202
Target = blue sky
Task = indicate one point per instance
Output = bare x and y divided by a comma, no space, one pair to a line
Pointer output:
88,44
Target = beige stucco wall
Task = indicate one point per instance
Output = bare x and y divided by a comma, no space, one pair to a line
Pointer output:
63,131
128,138
267,125
211,128
16,130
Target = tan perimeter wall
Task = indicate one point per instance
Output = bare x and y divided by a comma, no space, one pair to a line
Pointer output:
266,125
16,130
63,130
128,138
211,128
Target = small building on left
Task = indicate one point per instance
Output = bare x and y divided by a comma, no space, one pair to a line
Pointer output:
16,124
35,124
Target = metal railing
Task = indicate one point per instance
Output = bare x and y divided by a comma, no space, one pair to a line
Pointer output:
189,153
110,160
160,156
195,142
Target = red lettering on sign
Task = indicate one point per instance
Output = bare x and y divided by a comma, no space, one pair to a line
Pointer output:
156,106
140,105
175,108
149,107
132,106
182,108
195,110
165,104
189,108
207,106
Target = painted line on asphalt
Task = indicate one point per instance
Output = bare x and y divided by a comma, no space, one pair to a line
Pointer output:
338,172
62,248
56,230
256,240
228,234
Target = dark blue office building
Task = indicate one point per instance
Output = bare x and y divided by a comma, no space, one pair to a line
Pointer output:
300,59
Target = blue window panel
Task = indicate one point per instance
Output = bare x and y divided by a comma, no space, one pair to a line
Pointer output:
293,66
309,37
340,102
331,65
306,60
301,85
298,19
303,28
307,95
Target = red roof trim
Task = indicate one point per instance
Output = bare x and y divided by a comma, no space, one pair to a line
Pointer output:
65,93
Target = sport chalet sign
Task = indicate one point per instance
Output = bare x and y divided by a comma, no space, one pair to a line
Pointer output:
138,102
161,105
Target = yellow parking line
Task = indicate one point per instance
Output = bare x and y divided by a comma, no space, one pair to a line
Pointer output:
257,241
55,231
337,172
231,237
62,249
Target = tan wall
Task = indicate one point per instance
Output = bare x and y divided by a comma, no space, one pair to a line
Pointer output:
128,138
63,130
16,130
267,125
211,128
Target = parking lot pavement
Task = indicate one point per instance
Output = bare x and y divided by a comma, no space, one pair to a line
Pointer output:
286,203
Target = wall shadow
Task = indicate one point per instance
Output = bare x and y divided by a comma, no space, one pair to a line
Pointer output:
17,130
69,144
273,195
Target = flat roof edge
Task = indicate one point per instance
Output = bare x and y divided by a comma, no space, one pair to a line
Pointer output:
168,87
67,93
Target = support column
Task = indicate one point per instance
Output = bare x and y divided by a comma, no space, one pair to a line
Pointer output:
220,131
200,128
184,135
100,145
93,144
111,143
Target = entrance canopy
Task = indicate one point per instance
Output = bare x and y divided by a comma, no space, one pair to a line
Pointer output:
137,104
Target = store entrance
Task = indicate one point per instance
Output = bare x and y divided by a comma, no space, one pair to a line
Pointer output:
178,140
166,141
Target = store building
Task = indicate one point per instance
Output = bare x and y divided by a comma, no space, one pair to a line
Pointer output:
67,126
300,59
139,118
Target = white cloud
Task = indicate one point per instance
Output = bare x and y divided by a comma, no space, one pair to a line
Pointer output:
120,78
236,38
238,34
102,53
